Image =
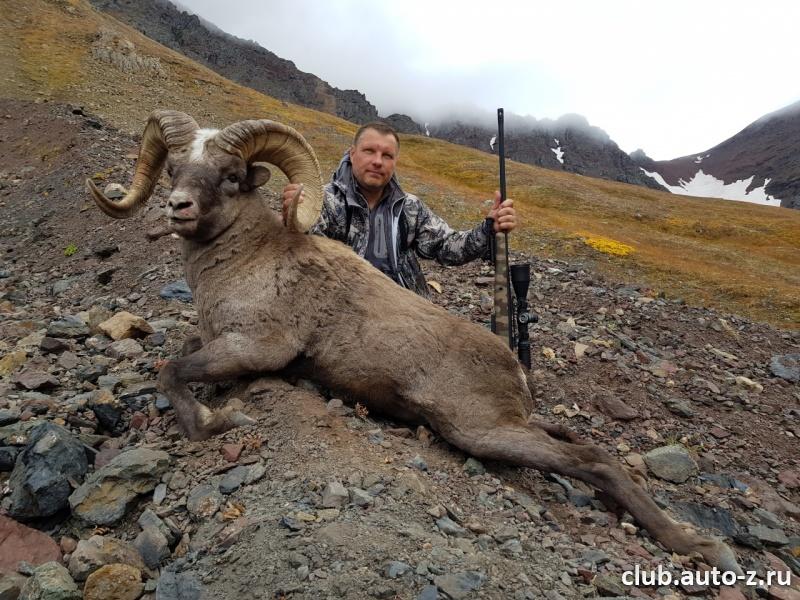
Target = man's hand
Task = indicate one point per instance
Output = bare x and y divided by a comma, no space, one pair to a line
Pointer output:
291,193
504,215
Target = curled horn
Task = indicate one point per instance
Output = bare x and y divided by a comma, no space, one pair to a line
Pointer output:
165,130
282,146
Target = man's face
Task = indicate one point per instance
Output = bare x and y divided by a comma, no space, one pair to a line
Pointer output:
373,159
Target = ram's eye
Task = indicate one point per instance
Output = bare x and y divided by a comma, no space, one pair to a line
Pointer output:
169,171
233,178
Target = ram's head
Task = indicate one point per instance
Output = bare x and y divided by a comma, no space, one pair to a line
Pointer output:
211,169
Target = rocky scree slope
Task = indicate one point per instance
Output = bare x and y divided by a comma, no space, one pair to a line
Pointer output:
323,500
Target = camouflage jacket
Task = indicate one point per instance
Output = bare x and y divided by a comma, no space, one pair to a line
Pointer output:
416,230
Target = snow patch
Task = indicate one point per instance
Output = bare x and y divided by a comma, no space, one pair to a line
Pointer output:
708,186
699,159
427,131
492,141
558,152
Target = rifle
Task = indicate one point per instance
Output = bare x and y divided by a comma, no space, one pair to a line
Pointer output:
504,323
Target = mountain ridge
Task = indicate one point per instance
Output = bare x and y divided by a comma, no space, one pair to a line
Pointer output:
588,151
763,157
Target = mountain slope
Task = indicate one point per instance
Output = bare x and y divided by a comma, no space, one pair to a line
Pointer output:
744,258
761,163
566,144
239,60
583,149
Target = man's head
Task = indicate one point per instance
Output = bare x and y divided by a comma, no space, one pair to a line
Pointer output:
374,154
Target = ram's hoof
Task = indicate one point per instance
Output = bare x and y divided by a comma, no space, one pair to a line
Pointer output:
720,555
226,419
239,419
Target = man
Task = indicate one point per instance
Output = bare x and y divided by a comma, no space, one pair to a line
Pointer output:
365,208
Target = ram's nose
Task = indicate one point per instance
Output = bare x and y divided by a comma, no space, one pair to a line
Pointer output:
181,206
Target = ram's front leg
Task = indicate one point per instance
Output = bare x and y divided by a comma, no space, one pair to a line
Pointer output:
226,357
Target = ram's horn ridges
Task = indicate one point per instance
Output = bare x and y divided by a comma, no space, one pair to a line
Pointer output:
282,146
165,130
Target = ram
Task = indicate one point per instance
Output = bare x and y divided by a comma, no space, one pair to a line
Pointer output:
270,298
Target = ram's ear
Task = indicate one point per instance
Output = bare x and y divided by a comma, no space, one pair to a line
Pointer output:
256,176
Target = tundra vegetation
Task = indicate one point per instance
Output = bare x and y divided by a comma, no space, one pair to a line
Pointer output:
272,299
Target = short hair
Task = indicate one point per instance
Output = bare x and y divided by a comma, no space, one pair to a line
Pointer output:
378,126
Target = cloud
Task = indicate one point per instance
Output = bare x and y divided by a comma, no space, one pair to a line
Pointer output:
673,78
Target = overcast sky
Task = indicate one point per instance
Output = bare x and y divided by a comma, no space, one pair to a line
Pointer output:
672,77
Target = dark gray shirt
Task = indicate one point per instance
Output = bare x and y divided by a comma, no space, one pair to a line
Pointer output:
380,238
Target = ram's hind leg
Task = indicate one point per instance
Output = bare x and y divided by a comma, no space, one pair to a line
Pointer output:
531,445
226,357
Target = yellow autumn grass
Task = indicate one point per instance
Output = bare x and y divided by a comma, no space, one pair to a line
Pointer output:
737,257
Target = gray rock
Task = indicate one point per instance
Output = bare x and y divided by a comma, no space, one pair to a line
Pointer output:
106,495
511,548
50,345
8,456
179,586
361,497
234,479
162,402
786,366
69,327
91,372
672,463
127,348
682,408
50,581
609,585
109,382
593,556
62,285
40,481
153,546
724,481
396,569
8,416
178,290
768,518
473,467
429,592
204,501
107,415
159,494
418,463
716,518
459,585
10,586
449,527
255,473
767,535
99,551
150,519
334,495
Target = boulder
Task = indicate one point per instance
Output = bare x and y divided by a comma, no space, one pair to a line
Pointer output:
125,325
107,493
19,543
50,581
672,463
99,551
40,482
114,582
